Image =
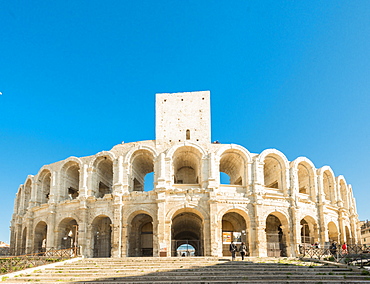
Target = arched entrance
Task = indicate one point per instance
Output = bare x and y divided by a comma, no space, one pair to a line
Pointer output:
309,231
68,234
275,237
348,236
233,229
333,232
141,236
187,228
39,244
102,232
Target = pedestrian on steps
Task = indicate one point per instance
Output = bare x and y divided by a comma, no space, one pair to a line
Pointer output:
232,250
242,250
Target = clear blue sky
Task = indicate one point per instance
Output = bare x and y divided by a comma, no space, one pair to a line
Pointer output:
78,77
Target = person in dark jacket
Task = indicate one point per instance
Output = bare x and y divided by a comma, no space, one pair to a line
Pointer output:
233,250
242,250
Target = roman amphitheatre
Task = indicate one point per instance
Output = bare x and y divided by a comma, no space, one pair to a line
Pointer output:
151,198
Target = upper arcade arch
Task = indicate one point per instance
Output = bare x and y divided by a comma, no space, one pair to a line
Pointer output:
27,190
304,181
275,167
187,165
233,161
44,186
142,163
102,179
70,179
343,191
327,177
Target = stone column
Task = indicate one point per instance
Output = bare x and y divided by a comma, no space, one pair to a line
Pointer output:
52,230
215,229
118,176
258,227
164,227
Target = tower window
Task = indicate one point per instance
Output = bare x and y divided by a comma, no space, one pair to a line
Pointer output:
187,134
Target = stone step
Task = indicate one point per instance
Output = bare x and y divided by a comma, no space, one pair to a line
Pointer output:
162,270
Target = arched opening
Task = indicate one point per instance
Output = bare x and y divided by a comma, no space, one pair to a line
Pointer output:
141,236
142,164
27,194
272,171
234,229
102,233
232,164
305,233
303,179
309,231
40,237
333,232
45,182
71,180
103,177
187,228
348,239
186,165
24,241
185,250
68,234
328,182
343,193
275,237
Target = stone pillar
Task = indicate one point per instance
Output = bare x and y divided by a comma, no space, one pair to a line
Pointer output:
215,228
85,186
82,228
323,234
117,227
118,176
52,229
258,227
342,231
164,227
30,234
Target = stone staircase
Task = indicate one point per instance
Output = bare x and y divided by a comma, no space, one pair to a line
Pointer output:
191,270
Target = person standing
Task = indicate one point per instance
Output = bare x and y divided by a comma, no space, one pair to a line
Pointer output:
242,250
344,248
232,250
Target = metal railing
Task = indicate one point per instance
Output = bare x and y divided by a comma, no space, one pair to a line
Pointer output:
353,255
15,263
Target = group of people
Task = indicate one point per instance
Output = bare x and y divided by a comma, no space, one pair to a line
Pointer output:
333,248
242,250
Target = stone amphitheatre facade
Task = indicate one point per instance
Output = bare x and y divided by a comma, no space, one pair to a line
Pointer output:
105,205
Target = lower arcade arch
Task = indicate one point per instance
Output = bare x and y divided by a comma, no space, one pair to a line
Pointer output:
276,237
333,232
348,236
309,231
102,236
187,229
234,229
39,244
68,234
141,236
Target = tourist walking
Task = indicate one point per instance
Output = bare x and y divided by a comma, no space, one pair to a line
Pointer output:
344,248
242,250
232,250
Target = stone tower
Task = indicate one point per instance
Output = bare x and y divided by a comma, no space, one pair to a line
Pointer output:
183,116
